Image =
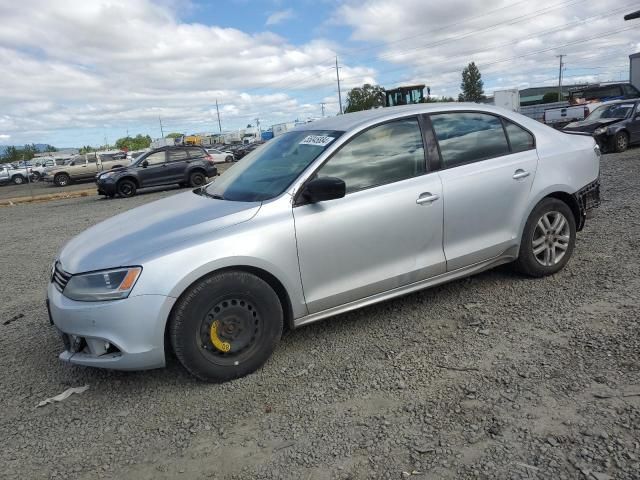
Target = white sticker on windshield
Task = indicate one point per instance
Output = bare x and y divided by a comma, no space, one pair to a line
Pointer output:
319,140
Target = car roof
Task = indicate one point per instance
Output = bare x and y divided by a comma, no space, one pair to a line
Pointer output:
351,121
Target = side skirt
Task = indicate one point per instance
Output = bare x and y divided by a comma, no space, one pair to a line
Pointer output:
508,256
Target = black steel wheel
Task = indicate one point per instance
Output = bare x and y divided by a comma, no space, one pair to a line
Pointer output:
226,326
197,179
126,188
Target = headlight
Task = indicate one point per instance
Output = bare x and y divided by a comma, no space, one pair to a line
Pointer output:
106,285
600,131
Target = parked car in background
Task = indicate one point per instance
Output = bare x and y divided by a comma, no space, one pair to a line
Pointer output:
4,174
614,125
220,156
585,100
13,174
242,150
82,167
326,218
163,166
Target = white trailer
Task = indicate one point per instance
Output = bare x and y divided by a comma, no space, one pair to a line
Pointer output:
507,99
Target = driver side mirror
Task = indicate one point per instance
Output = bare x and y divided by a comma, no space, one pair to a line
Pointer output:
72,164
323,189
145,164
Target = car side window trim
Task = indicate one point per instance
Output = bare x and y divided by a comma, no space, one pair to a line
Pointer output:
502,119
298,203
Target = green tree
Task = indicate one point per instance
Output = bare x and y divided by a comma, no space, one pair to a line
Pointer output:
50,148
364,98
472,84
437,99
550,97
173,135
12,154
87,149
134,143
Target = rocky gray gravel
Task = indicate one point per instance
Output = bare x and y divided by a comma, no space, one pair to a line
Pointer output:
493,377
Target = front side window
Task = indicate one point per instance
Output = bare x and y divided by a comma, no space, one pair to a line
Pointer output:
267,172
155,158
519,138
468,137
384,154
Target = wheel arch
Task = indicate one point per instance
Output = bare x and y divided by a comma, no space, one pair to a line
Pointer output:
196,169
129,177
277,286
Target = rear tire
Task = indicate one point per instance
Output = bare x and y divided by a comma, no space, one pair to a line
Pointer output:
548,239
36,176
197,179
18,179
226,326
126,188
621,142
61,179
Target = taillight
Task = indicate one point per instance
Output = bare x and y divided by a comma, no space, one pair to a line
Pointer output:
209,158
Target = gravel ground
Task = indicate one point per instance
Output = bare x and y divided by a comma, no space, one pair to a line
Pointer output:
492,377
10,190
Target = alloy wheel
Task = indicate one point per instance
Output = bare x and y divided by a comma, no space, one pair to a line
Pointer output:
551,239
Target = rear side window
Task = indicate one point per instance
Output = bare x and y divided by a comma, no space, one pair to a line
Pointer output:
178,155
603,92
196,153
468,137
519,138
384,154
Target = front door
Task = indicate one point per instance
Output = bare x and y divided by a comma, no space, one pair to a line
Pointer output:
488,167
155,172
634,126
385,233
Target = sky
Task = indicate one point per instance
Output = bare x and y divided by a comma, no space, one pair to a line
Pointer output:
79,72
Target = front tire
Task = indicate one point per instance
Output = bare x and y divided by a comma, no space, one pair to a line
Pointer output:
18,179
621,142
226,326
197,179
35,176
548,239
61,179
126,188
228,159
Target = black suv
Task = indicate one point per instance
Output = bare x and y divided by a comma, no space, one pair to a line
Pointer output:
187,166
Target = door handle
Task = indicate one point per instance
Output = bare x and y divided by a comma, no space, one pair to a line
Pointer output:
520,174
427,198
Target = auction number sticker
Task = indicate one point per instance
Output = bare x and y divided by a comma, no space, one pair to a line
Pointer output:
318,140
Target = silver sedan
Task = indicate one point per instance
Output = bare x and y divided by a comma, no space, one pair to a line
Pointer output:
329,217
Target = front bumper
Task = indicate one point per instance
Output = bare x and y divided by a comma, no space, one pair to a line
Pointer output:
123,334
106,186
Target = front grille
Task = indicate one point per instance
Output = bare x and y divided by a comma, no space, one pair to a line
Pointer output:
60,278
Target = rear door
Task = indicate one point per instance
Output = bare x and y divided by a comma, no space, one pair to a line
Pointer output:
178,160
486,181
156,170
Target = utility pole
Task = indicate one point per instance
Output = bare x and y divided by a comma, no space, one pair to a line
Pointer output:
258,128
322,107
560,77
161,130
338,78
218,112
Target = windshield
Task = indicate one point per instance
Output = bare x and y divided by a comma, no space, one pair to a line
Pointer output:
618,110
268,170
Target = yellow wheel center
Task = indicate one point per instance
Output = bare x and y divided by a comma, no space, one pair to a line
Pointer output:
219,344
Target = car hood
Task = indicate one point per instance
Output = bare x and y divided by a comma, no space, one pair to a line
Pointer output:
126,239
590,126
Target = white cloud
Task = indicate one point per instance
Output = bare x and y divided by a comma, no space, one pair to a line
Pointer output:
108,64
431,42
4,137
280,16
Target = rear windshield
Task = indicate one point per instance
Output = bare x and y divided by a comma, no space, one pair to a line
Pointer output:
617,110
268,170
